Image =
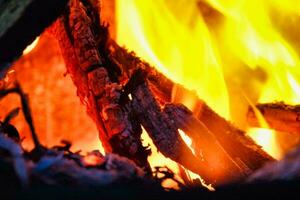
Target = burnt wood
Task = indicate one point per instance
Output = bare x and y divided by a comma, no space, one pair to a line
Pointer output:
77,36
279,116
206,145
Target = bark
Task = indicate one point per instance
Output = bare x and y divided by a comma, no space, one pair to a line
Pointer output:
118,131
279,116
205,144
165,136
21,22
162,126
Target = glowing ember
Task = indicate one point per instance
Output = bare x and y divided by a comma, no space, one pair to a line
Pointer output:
93,160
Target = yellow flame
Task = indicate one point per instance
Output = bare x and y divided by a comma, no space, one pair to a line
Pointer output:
191,175
237,45
30,47
265,138
177,43
157,159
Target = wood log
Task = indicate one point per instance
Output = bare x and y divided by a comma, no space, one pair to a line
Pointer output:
21,22
249,154
279,116
165,136
162,126
118,131
205,144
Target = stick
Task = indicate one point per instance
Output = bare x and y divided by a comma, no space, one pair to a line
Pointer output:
26,112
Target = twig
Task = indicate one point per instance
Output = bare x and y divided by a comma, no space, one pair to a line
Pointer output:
26,111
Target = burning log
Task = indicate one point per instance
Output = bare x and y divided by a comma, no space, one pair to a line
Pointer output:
21,22
279,116
249,156
165,135
118,131
205,144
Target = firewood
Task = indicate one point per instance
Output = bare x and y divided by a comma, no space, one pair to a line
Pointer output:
26,112
21,22
165,136
279,116
162,127
205,144
118,131
249,154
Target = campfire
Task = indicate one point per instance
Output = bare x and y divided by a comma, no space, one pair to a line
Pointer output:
166,96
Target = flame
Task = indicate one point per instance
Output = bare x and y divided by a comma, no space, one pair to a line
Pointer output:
265,138
30,47
157,159
221,49
232,53
177,43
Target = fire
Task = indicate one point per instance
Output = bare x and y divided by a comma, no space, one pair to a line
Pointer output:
157,159
30,47
231,53
169,39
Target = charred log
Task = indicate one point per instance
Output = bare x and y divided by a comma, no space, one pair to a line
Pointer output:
96,89
279,116
205,144
164,135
